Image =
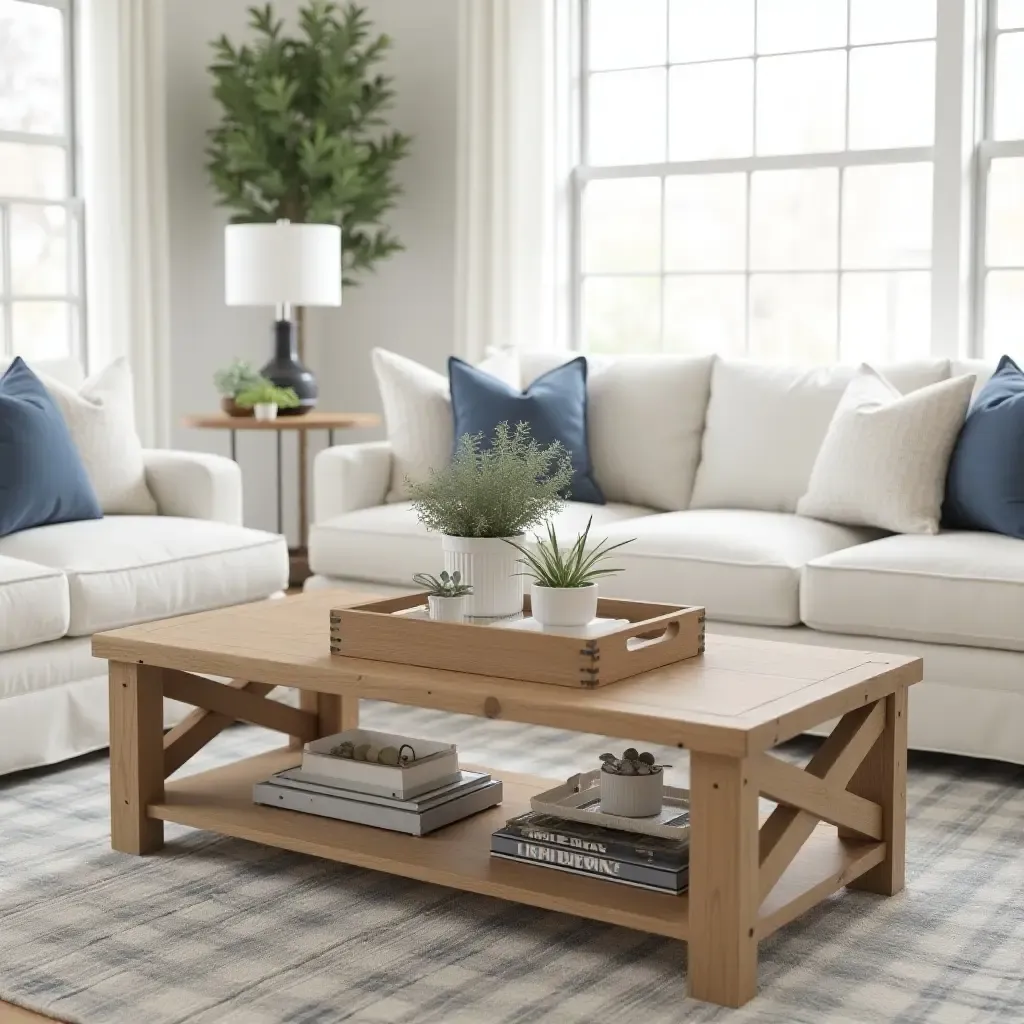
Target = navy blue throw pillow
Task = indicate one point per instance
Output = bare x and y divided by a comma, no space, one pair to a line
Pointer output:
555,406
985,482
42,478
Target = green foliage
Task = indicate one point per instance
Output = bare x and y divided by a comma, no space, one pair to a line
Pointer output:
236,377
266,393
443,586
631,763
497,492
303,134
576,568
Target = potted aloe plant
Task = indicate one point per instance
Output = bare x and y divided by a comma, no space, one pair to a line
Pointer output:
564,590
265,398
446,595
484,496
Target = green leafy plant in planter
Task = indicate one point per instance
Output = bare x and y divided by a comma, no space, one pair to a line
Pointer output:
231,380
266,393
302,134
445,585
564,591
486,494
578,567
631,762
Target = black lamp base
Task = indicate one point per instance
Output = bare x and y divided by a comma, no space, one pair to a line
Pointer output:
286,371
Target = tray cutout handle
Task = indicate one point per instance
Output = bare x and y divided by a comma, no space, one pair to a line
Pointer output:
650,639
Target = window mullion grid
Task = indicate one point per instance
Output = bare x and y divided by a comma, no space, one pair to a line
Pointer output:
747,273
664,185
987,150
6,308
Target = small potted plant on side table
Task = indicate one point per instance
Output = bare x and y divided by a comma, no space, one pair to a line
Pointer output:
231,381
564,590
265,398
446,595
485,495
632,785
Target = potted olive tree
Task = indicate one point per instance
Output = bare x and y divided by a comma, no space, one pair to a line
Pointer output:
564,590
485,496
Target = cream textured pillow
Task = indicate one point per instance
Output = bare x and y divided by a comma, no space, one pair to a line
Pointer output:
101,417
883,461
418,414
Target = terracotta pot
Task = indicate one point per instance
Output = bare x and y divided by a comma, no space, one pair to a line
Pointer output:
228,405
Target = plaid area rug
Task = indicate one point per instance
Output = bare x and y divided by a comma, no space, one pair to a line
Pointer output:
219,931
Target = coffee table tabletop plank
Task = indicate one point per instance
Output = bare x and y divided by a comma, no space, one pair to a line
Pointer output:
741,697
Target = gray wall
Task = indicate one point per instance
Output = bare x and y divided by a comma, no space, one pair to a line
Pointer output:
408,305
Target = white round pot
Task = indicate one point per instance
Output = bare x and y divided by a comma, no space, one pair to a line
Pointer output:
489,566
265,411
564,606
447,609
632,796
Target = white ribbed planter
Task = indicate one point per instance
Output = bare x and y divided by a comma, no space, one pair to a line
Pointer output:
564,606
489,566
632,796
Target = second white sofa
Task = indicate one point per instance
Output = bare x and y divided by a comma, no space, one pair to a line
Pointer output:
733,452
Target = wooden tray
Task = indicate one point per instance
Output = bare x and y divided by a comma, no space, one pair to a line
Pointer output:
657,635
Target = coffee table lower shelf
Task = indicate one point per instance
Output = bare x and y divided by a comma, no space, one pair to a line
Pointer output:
458,856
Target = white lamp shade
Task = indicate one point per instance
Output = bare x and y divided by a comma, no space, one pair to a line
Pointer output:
272,264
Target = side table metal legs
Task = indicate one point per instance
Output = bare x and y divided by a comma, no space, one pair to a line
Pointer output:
280,494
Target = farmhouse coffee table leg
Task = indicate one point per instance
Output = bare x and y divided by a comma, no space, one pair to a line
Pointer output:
882,777
335,713
724,896
136,757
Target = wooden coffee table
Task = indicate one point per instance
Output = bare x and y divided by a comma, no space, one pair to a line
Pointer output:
839,822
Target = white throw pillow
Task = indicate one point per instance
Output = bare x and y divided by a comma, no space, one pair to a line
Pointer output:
101,417
766,423
418,414
645,418
884,459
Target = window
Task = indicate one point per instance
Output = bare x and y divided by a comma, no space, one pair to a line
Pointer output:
1001,245
40,278
760,177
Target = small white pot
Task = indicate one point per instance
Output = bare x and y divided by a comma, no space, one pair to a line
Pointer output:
447,609
632,796
265,411
489,566
564,606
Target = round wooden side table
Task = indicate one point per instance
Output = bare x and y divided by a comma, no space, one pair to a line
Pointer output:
329,421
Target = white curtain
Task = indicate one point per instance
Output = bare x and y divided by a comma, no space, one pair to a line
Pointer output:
512,166
123,157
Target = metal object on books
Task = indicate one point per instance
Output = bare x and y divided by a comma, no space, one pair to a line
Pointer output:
579,799
652,636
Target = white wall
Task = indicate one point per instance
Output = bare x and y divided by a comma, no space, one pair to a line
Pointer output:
408,305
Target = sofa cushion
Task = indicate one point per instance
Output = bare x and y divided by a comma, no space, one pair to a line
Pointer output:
387,544
554,406
42,477
645,418
948,588
741,565
765,425
34,605
127,569
883,461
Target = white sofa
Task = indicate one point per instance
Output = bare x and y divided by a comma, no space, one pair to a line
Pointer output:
60,584
736,447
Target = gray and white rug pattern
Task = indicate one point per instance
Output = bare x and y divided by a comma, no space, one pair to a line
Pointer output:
219,931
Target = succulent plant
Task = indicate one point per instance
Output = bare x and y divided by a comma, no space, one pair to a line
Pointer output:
443,585
632,762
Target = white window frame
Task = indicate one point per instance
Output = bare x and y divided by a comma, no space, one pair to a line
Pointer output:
989,149
74,294
953,155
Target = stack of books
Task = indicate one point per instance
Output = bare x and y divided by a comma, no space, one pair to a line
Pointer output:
417,798
630,858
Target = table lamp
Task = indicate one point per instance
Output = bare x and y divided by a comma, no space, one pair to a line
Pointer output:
284,265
